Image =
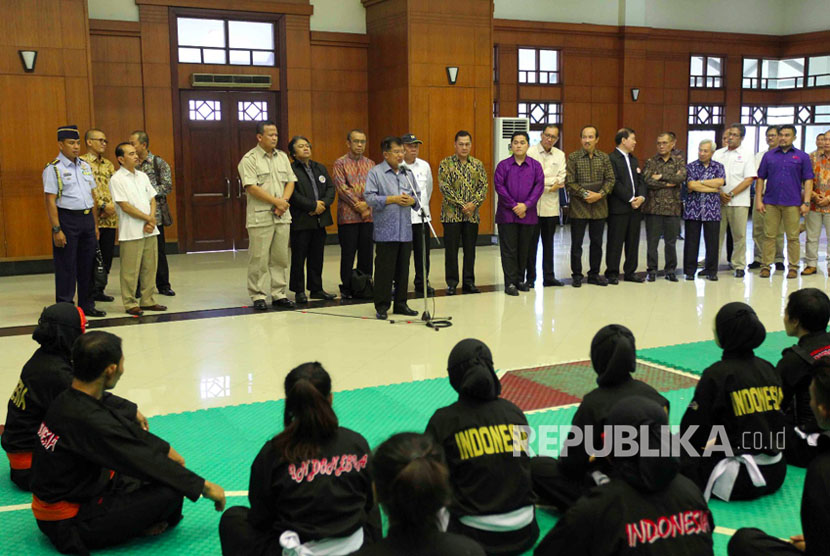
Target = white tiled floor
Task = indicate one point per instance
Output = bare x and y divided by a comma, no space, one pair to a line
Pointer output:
186,365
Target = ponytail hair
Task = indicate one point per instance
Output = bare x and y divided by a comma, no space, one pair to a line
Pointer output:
309,419
412,483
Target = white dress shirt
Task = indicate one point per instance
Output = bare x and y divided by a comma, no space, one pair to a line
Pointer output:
423,179
553,165
630,174
134,188
738,164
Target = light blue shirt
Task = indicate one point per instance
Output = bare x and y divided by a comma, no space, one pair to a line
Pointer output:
77,181
392,222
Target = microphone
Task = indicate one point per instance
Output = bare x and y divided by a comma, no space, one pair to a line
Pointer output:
404,166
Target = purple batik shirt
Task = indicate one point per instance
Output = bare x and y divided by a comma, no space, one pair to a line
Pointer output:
784,172
518,183
703,206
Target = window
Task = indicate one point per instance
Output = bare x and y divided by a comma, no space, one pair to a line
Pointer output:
538,66
706,72
773,74
818,71
704,114
252,111
204,110
222,41
809,120
540,114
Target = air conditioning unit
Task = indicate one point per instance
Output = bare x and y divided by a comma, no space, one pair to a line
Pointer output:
230,81
503,128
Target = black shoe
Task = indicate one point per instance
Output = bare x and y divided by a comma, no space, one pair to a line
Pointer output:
419,290
633,278
470,289
613,280
283,303
651,276
712,277
671,277
345,293
523,287
259,305
754,265
104,298
690,277
405,310
93,312
552,282
530,283
450,290
168,292
780,266
511,290
322,294
739,273
597,280
381,315
300,298
577,282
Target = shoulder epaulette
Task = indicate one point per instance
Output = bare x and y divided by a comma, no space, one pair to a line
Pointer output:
53,163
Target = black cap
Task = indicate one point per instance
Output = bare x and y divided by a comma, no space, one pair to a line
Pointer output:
68,132
410,139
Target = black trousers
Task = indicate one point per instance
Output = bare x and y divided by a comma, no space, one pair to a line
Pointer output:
307,248
115,517
691,246
466,235
418,246
163,271
553,487
595,229
391,266
106,242
667,227
699,469
544,232
514,245
355,239
74,261
623,231
748,541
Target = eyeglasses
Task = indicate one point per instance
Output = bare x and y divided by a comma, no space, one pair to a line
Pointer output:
549,136
99,140
359,141
396,151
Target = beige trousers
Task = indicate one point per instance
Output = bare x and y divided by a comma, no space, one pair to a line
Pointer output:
736,218
758,238
790,217
815,221
268,261
139,260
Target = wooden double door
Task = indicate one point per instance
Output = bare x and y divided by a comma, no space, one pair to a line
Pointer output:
218,128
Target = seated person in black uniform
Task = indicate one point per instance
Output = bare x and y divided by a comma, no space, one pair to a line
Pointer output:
739,396
487,456
98,478
805,318
413,486
45,375
310,488
815,498
559,482
647,508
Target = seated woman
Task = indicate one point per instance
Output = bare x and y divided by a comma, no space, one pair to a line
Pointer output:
412,484
738,399
559,482
647,507
489,471
310,489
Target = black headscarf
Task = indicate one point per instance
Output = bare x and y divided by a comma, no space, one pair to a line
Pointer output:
471,371
613,354
645,473
738,328
58,327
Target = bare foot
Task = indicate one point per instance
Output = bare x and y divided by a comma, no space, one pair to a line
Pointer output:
154,530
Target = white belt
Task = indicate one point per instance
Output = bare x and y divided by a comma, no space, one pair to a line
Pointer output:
335,546
812,438
723,477
510,521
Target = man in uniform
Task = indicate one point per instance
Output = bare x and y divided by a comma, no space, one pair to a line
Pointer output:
70,205
102,169
423,178
269,182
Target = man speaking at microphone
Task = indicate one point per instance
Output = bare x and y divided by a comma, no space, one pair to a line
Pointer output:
390,192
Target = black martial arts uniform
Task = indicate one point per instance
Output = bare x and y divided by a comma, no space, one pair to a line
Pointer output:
560,482
477,433
815,516
743,394
794,370
646,509
45,375
329,496
99,479
434,544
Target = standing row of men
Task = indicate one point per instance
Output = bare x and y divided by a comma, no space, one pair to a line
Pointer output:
85,210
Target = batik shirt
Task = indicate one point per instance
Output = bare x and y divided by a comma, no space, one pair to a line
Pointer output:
703,206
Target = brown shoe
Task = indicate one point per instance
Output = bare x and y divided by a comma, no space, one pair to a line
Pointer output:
809,270
155,307
135,311
792,273
764,272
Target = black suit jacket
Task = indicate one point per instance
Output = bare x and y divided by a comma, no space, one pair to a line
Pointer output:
302,200
618,200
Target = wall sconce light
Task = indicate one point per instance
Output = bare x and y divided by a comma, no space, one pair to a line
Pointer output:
635,94
28,58
452,74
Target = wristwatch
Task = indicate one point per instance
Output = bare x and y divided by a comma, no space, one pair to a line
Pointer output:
56,229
